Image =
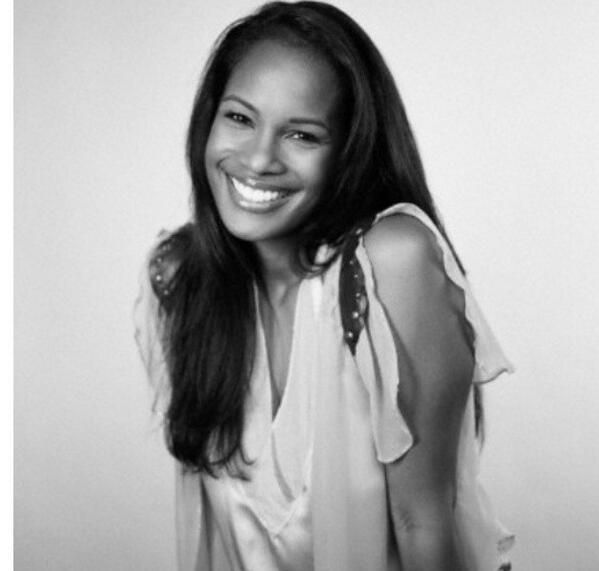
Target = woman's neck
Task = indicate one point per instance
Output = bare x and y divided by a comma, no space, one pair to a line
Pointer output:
280,271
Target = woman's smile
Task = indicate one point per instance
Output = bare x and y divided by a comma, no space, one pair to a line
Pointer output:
256,197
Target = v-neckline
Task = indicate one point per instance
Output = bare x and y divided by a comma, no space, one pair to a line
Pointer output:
275,412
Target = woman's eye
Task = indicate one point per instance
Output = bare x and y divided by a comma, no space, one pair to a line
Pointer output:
305,137
237,117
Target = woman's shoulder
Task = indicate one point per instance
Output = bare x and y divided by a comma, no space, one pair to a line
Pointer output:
402,241
165,258
411,268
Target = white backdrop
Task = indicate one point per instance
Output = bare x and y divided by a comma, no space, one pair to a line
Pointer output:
503,99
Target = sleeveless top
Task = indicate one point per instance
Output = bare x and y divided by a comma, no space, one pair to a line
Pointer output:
314,496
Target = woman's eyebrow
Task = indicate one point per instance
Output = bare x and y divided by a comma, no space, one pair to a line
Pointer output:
309,121
239,100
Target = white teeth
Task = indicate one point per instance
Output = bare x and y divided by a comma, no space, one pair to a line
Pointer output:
255,194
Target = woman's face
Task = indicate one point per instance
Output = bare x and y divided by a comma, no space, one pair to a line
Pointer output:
273,142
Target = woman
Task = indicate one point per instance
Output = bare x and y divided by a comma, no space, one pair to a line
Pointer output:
311,336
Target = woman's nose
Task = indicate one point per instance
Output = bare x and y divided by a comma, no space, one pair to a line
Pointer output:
261,154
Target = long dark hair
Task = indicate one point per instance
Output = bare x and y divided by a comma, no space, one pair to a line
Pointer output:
209,315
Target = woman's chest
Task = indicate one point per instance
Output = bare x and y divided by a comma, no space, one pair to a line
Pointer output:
277,332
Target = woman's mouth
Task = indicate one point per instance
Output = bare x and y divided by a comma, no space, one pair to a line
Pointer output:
254,198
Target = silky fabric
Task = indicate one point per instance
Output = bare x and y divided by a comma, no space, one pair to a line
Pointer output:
313,496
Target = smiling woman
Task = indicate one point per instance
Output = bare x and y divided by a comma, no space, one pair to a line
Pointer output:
314,344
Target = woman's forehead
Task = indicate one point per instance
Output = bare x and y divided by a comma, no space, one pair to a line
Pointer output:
277,72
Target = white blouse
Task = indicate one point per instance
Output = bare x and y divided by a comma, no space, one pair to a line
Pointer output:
314,498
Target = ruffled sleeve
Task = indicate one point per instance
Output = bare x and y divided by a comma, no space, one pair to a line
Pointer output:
154,291
377,359
149,329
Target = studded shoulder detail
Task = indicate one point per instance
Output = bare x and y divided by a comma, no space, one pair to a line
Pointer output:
353,298
162,268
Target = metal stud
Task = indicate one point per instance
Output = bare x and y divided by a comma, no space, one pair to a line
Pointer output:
362,304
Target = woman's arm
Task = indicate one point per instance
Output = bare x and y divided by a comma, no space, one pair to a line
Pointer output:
435,362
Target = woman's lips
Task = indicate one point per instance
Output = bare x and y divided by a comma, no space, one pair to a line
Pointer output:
254,196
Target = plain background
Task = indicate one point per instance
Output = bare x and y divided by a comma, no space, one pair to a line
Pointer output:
503,98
